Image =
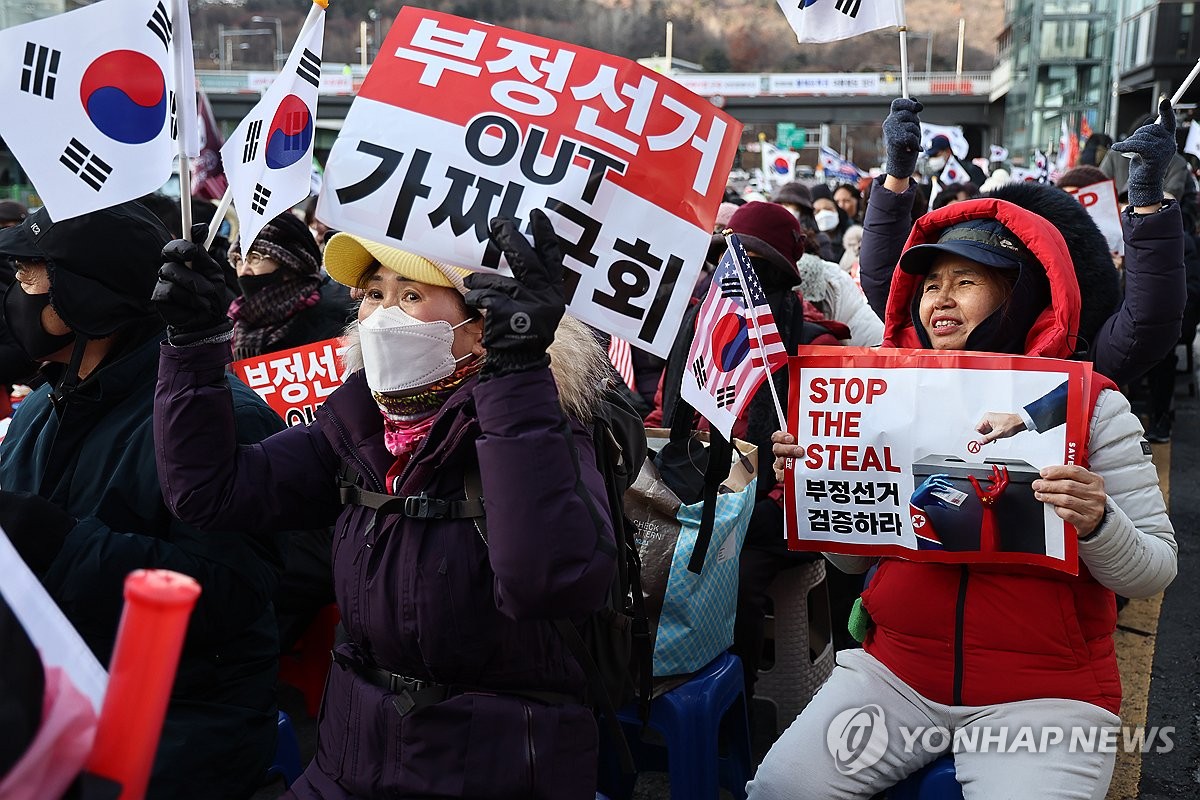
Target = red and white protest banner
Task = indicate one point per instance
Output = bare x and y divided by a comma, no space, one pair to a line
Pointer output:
295,382
1100,200
459,121
951,483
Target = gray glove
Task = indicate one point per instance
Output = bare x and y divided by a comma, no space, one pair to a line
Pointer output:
902,137
1153,147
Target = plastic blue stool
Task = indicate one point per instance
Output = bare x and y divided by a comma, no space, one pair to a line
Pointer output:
287,753
933,782
695,719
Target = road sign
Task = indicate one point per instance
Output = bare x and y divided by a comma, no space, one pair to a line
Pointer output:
787,135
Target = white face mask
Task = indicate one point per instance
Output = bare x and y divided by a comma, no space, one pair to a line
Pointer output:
826,220
935,165
400,352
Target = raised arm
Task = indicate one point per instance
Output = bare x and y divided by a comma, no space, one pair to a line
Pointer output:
888,218
208,479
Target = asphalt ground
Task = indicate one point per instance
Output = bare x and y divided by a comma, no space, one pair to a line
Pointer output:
1158,648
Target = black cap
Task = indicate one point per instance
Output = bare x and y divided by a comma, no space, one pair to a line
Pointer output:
939,143
983,241
12,211
103,265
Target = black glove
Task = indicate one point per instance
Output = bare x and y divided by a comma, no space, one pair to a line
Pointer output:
193,300
1153,147
902,137
35,526
522,311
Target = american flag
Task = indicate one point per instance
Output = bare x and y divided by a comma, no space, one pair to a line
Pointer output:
725,363
621,356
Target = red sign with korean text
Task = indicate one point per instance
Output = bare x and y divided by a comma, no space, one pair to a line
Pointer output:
295,382
459,121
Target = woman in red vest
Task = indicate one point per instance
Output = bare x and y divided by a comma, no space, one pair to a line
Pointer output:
988,657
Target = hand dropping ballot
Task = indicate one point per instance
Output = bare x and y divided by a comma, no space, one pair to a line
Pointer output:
931,457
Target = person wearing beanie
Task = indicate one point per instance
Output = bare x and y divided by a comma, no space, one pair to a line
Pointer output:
1078,177
12,213
724,213
1145,327
971,648
797,198
285,302
83,505
457,467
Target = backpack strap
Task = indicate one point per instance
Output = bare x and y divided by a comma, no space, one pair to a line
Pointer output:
420,506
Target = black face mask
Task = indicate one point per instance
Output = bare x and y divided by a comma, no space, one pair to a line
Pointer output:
253,284
23,315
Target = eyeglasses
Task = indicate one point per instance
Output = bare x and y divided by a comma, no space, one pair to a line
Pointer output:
252,259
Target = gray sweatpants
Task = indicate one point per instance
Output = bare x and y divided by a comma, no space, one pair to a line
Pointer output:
859,736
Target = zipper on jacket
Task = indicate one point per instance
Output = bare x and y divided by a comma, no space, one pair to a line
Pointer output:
960,612
365,471
532,748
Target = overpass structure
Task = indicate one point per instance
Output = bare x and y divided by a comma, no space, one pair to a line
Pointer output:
806,99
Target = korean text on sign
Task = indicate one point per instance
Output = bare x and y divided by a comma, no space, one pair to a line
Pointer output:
295,382
458,122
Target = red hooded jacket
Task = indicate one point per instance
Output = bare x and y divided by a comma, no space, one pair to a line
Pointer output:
982,634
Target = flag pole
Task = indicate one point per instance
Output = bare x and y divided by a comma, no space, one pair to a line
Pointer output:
185,163
218,217
753,309
1175,98
903,49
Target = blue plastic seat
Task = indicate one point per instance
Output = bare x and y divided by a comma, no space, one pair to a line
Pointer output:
706,735
287,753
933,782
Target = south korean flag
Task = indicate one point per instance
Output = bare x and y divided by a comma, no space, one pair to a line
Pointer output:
268,158
90,108
953,173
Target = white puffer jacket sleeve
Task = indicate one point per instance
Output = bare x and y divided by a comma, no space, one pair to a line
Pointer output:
1133,552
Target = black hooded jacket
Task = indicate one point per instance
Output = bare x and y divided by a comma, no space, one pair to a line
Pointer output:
1123,342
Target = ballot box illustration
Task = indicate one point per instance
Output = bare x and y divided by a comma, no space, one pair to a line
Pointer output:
996,512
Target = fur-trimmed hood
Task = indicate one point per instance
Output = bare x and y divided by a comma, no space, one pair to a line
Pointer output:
578,363
1061,236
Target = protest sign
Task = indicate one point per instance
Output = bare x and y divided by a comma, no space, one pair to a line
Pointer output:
1100,200
897,461
295,382
459,121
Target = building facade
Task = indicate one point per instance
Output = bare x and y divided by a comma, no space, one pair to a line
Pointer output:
1054,62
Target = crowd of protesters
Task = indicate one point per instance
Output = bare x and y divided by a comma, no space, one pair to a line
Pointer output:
136,448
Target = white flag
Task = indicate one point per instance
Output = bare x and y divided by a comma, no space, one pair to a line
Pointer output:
1193,139
1025,175
268,157
779,165
830,20
953,173
958,142
999,153
89,102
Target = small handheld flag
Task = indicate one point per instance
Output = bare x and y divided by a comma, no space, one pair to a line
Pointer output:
91,110
736,344
268,157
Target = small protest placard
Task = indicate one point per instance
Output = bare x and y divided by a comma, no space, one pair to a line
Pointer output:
459,121
1100,200
931,457
295,382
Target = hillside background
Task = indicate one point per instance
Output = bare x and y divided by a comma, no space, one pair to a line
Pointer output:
720,35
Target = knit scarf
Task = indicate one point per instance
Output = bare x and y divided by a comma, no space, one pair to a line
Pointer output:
408,418
264,318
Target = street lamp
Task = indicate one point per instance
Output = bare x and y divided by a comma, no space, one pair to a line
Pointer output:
280,56
225,38
373,14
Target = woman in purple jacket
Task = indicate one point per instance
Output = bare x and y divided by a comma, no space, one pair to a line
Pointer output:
453,681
